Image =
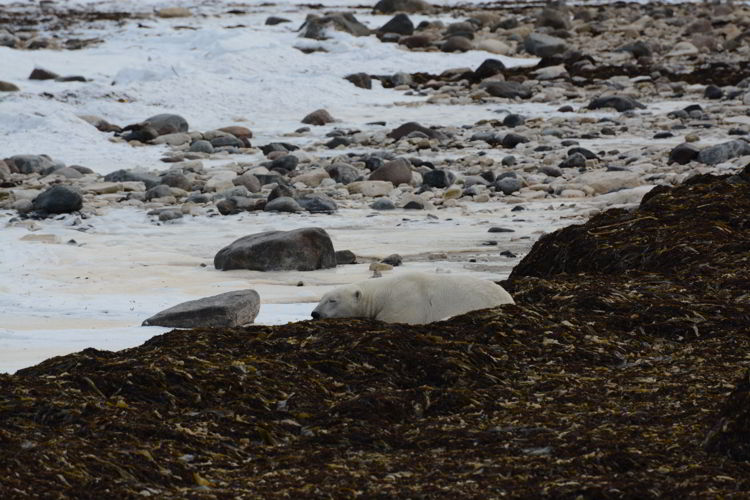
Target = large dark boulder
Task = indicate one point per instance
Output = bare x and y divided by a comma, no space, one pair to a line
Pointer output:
58,200
304,249
230,309
400,24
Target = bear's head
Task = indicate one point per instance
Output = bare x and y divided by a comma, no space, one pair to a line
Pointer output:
340,303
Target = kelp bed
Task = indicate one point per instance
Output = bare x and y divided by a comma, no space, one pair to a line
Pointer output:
621,372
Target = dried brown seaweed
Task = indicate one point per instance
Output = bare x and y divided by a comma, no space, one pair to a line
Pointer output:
601,382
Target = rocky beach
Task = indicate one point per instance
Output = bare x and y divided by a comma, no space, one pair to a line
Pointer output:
218,167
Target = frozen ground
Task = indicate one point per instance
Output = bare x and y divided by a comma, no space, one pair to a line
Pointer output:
66,287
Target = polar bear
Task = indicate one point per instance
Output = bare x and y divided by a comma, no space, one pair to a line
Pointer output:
412,298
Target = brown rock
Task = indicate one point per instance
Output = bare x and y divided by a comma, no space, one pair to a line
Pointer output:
318,117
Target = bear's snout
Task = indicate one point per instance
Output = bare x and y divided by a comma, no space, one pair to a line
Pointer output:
315,315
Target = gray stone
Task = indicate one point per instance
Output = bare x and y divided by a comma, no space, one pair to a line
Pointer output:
383,204
508,185
400,23
317,204
344,257
229,309
551,170
344,173
251,182
202,146
722,152
683,154
397,172
543,45
160,191
30,164
283,204
304,249
620,103
457,44
281,190
391,6
135,175
58,200
167,123
509,90
176,179
438,178
410,127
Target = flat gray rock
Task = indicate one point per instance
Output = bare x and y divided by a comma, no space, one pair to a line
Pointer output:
228,309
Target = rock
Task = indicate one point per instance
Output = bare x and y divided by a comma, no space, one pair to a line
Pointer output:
713,92
58,200
42,74
338,141
170,214
400,23
281,190
202,146
304,249
620,103
274,20
576,160
392,6
488,68
30,164
494,46
607,181
588,154
226,310
238,131
512,140
167,123
457,44
172,12
227,141
509,90
312,178
683,154
249,181
370,188
160,191
343,173
318,117
513,120
438,178
137,175
177,180
394,260
315,27
361,80
285,163
8,87
551,170
551,72
175,139
558,19
542,45
317,204
683,49
417,41
720,153
344,257
637,49
396,172
410,127
283,204
508,185
382,204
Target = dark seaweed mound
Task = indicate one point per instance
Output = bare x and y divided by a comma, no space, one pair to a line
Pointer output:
614,376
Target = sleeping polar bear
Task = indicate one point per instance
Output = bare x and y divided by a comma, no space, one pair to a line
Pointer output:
413,298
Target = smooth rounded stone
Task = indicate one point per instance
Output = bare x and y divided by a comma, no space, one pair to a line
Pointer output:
682,49
238,131
394,260
230,309
508,185
4,171
317,204
457,44
58,200
497,229
511,140
542,45
475,180
400,24
438,178
720,153
713,92
312,178
338,141
587,153
361,80
513,120
22,206
422,40
274,20
304,249
619,103
488,68
283,204
226,206
343,173
551,72
232,192
554,18
170,214
345,257
286,163
173,12
576,160
281,190
249,181
396,172
167,123
8,87
382,204
370,188
508,90
135,175
227,141
683,154
318,117
160,191
637,49
42,74
175,139
551,170
66,172
410,127
30,164
494,46
392,6
607,181
176,179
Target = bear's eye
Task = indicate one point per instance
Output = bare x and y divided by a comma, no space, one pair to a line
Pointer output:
332,301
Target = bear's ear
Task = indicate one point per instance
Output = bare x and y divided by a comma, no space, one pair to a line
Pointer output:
357,294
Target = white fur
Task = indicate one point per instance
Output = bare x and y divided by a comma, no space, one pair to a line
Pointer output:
413,298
